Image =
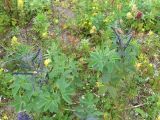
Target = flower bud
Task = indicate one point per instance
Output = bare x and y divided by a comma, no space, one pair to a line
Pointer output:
139,15
129,15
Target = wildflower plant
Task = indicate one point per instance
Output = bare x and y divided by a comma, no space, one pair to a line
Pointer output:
44,88
63,60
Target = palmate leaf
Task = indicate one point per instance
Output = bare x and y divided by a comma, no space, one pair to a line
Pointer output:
65,90
48,102
103,57
89,100
97,60
15,90
87,107
16,103
66,95
53,106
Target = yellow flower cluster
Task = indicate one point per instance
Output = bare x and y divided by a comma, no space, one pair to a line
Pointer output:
14,41
99,84
129,15
158,118
1,70
20,4
151,33
4,117
47,61
134,9
56,21
45,35
93,29
138,65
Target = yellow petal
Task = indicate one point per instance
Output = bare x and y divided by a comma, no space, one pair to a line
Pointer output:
129,15
93,30
150,33
20,4
47,61
14,41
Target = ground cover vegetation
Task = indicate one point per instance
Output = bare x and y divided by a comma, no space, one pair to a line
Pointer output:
79,60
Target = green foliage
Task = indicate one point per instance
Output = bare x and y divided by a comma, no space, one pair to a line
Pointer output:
36,93
87,107
102,58
109,63
4,21
41,23
80,69
5,81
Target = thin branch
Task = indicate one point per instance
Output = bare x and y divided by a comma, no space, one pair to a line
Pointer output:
69,110
133,107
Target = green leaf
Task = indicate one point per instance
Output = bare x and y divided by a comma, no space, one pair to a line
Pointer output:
53,106
15,90
66,92
62,84
27,86
66,97
47,105
112,91
141,112
103,57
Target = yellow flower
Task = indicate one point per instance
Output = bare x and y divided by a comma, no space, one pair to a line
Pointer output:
143,29
105,116
151,65
150,33
5,117
20,4
158,118
14,41
138,65
99,84
47,61
129,15
89,23
44,35
93,30
56,21
1,70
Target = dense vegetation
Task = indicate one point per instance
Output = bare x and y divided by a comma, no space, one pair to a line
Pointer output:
80,59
